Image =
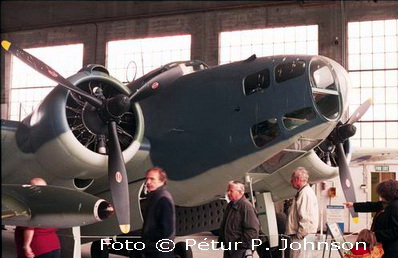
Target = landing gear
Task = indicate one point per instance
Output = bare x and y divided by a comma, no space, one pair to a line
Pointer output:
182,251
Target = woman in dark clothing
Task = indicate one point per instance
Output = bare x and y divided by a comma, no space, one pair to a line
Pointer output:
385,223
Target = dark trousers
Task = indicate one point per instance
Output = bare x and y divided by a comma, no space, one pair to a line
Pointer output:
234,253
52,254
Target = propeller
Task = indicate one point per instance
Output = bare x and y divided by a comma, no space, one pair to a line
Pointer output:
334,144
110,111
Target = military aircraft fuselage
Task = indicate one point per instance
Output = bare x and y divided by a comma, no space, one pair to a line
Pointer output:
214,116
204,126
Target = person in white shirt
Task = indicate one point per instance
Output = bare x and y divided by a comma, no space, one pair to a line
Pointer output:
303,217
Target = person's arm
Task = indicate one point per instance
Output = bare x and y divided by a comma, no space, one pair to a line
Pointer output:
308,212
166,218
251,227
27,240
303,216
368,206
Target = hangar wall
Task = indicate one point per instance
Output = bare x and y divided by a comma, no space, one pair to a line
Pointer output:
42,23
362,179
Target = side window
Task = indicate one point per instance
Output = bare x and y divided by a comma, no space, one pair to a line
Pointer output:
256,82
289,70
298,117
265,132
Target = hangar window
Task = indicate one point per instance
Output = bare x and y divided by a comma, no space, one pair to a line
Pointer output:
28,87
239,45
289,70
130,59
264,132
256,82
373,70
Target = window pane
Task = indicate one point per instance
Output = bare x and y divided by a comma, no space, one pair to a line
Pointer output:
373,68
270,41
29,87
130,59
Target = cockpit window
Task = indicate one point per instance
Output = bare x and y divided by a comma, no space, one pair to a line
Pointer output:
265,132
289,70
322,77
324,89
298,117
256,82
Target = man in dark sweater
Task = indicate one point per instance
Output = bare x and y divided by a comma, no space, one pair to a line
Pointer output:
159,216
240,224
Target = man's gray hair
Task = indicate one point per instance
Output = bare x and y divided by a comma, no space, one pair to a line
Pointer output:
301,173
238,186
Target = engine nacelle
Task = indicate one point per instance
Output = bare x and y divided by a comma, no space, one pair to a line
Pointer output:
70,133
33,206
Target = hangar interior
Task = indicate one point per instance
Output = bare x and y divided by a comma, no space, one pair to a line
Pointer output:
131,38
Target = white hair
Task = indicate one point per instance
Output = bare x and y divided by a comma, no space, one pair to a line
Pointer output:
301,173
237,186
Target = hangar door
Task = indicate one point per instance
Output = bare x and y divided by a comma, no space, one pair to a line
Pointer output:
377,177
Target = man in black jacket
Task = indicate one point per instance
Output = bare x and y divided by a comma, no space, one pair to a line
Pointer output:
240,224
159,216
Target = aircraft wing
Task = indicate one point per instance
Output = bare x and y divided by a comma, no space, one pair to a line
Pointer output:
370,155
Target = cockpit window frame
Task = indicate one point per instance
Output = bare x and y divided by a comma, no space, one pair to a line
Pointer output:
289,70
263,137
319,93
260,84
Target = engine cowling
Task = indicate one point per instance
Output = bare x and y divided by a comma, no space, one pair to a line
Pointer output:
29,205
67,134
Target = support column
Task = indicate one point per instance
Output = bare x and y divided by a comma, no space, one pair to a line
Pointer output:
267,217
70,242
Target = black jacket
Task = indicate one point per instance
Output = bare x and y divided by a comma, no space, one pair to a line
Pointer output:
385,224
368,206
240,224
386,229
159,218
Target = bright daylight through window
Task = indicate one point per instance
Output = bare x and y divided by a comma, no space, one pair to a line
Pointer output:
130,59
373,68
28,87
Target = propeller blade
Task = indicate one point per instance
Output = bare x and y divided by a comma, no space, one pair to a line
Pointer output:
47,71
346,180
144,92
118,181
360,111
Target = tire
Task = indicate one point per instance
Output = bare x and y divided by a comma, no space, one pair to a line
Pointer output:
180,251
96,252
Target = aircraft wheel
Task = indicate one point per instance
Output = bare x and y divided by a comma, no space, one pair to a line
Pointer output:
96,251
180,251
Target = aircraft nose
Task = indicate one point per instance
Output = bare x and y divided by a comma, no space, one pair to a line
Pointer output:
325,89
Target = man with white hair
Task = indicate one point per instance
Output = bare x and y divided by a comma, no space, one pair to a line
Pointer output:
303,218
240,224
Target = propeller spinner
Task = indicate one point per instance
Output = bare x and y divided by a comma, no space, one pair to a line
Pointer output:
110,111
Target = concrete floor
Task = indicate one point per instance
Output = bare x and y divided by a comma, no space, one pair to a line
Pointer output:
9,247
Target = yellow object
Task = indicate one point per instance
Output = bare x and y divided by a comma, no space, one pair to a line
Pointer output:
355,219
125,228
6,44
